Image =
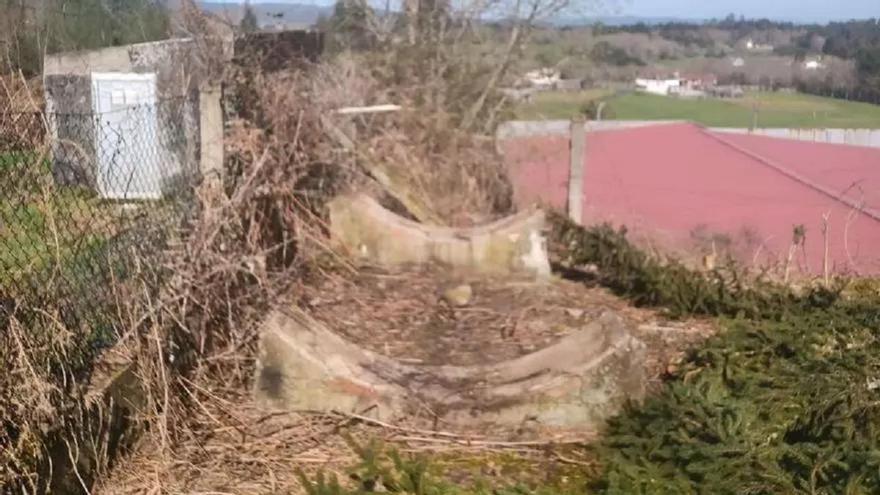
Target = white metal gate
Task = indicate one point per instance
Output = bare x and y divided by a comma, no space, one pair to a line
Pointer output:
127,141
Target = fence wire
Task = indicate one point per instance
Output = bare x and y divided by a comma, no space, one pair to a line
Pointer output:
84,198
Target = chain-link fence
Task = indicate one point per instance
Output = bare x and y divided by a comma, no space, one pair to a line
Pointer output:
85,196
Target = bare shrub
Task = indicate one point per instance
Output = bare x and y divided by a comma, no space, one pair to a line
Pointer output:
458,177
186,317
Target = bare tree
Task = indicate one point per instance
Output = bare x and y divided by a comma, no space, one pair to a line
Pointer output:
445,48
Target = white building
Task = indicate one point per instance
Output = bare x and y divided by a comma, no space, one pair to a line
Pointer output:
658,86
813,65
758,47
545,78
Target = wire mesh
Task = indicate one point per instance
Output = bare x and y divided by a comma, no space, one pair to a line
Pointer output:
85,198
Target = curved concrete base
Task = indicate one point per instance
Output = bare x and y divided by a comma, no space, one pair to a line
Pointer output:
512,244
574,384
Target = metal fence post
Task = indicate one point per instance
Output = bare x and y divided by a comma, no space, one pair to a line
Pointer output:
577,146
211,136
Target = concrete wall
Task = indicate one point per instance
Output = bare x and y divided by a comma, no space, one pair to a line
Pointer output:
173,61
181,72
855,137
369,231
531,128
73,146
68,88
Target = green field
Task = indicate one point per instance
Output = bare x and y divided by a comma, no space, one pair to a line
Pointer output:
42,226
791,110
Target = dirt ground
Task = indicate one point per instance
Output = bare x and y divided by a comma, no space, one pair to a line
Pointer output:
404,314
235,447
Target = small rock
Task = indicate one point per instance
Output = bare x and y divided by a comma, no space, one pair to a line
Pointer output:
590,268
459,296
577,314
674,365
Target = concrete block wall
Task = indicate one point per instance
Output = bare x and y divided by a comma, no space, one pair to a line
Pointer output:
852,137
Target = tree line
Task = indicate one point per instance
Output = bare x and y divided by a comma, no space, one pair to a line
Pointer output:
31,29
856,40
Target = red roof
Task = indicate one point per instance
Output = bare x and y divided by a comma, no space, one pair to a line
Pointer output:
681,185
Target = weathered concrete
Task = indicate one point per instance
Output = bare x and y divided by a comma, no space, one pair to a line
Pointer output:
182,67
173,61
512,244
529,128
577,154
69,114
99,430
211,135
70,110
852,137
574,384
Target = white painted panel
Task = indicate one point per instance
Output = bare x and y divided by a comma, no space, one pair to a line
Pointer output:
129,149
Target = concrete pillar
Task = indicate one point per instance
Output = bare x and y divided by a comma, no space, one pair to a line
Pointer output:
211,136
577,153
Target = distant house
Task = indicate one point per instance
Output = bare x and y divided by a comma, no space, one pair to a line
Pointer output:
544,78
687,92
569,85
727,92
758,47
658,86
699,81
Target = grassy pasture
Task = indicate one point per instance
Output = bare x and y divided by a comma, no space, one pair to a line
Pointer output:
791,110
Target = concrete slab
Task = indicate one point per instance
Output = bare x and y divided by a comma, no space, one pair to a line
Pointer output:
574,384
369,231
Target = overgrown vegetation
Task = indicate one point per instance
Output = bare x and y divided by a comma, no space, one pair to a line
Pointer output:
649,281
770,406
28,30
783,401
384,469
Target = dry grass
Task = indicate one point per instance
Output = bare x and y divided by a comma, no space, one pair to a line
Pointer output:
187,317
402,313
229,444
18,94
193,341
240,448
457,178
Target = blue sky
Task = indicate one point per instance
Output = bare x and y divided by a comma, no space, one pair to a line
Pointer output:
794,10
799,10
